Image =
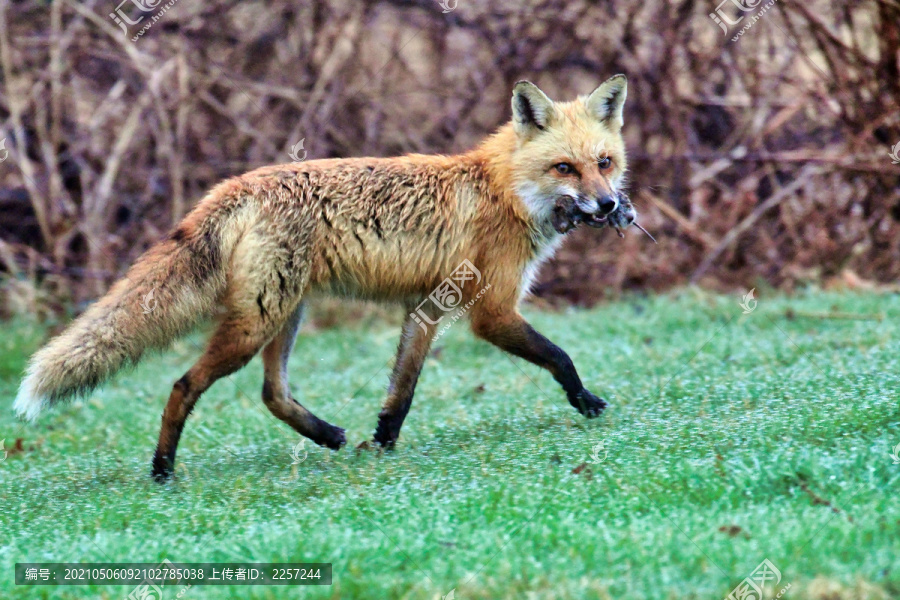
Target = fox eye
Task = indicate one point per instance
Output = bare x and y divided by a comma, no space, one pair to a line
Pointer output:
564,168
604,163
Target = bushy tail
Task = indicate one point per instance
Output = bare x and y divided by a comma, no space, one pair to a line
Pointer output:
167,291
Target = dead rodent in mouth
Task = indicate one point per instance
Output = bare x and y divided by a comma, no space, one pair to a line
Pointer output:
566,216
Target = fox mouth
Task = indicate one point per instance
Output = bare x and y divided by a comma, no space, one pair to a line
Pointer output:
567,215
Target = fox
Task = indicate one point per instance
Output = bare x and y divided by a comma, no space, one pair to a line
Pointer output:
257,246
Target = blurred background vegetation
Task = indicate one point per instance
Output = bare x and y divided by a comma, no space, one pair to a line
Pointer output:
758,162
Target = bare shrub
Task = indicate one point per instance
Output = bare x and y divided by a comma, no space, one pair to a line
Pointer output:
764,159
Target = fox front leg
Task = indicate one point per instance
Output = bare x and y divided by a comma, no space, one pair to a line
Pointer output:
514,335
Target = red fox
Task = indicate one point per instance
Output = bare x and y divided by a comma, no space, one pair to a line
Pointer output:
384,229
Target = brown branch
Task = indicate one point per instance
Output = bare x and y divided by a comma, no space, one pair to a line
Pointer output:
802,179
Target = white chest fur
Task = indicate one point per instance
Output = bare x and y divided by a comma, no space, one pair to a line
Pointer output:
546,249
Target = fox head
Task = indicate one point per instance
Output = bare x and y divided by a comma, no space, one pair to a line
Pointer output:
569,154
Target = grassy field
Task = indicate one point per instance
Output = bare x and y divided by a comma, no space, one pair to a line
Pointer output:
730,438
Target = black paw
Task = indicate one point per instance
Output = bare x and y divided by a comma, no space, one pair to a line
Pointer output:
386,439
588,404
388,429
330,436
162,469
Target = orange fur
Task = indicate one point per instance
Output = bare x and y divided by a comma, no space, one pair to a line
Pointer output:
377,228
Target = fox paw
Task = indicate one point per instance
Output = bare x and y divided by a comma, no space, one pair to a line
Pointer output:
330,436
385,438
163,468
388,429
588,404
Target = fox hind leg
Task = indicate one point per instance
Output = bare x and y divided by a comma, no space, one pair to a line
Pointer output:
415,340
231,347
277,396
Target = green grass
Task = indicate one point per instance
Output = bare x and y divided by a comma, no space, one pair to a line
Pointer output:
729,439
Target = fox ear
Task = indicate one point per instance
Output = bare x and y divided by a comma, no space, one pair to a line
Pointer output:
531,108
608,100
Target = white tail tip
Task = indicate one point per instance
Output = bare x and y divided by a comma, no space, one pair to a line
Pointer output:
28,404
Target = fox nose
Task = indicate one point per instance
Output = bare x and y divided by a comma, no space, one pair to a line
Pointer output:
608,204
